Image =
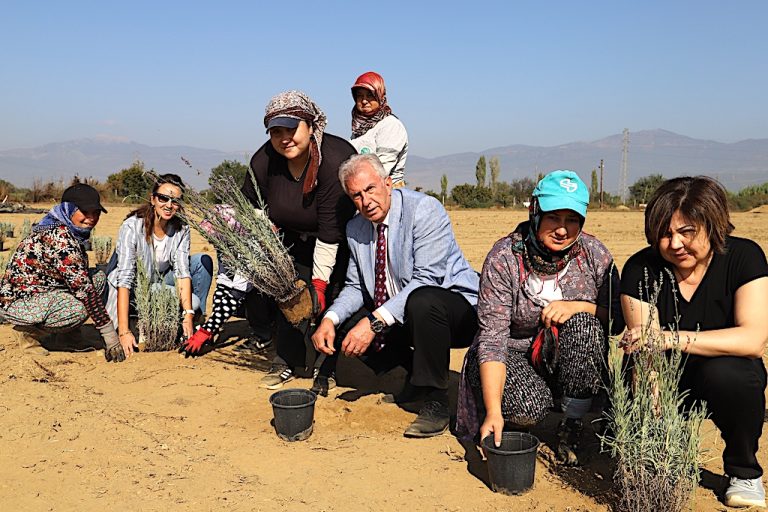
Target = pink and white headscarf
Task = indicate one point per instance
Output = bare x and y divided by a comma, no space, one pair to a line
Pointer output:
374,83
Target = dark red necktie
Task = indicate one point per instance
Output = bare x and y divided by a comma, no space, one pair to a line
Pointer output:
380,295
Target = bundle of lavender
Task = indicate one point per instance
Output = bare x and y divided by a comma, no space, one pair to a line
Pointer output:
248,244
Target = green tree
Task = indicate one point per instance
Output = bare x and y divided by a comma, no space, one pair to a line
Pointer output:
443,187
131,184
480,170
642,189
470,196
594,188
495,170
237,170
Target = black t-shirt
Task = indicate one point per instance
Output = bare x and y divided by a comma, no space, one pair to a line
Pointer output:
324,214
711,306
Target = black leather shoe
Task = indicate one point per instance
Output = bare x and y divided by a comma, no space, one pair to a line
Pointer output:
432,421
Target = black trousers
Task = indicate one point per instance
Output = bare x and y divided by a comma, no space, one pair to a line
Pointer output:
733,389
292,343
436,320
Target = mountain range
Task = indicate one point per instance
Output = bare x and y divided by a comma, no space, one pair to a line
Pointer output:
737,164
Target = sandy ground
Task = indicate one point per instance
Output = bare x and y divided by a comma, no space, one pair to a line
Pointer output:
163,432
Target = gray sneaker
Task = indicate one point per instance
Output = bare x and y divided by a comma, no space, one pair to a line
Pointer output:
278,375
745,493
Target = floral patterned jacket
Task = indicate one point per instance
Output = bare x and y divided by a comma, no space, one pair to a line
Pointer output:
51,259
508,312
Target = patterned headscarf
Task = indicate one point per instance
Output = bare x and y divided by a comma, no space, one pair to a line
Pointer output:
61,214
297,105
374,83
540,259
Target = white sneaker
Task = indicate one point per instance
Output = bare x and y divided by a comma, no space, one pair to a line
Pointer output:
745,493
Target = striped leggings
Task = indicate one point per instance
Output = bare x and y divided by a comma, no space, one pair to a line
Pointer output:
527,398
54,311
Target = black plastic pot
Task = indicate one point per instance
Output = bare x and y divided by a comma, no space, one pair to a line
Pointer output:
511,466
294,411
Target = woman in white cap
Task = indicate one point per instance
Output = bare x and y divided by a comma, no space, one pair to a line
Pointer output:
546,294
47,288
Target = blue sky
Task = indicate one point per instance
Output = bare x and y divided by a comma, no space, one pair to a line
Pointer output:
463,76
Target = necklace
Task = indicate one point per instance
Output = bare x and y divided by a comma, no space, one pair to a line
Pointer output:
303,170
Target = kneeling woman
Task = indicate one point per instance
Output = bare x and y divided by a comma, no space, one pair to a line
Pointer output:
545,295
47,288
712,304
156,236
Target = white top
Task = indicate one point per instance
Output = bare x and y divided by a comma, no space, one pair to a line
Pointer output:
162,250
546,288
389,141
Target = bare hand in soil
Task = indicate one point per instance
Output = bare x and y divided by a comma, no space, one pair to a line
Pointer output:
324,337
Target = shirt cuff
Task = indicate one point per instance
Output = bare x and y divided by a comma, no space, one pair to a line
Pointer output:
323,260
386,316
333,317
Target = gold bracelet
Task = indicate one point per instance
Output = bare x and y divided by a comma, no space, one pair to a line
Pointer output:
124,333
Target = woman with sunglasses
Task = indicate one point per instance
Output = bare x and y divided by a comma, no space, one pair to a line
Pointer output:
154,234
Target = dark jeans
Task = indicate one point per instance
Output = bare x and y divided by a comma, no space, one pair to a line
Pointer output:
436,320
733,389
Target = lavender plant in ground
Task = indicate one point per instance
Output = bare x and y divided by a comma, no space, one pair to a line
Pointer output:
159,315
102,248
654,438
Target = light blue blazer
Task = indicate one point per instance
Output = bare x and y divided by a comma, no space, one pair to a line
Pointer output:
422,251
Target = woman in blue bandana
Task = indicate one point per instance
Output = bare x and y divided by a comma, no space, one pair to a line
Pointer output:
46,288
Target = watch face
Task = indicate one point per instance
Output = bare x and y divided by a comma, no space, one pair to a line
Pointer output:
376,325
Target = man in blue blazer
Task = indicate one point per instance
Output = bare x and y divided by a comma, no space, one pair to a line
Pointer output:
409,296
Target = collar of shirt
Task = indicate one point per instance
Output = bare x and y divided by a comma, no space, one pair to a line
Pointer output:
385,222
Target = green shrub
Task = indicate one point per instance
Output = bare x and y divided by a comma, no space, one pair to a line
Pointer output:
158,310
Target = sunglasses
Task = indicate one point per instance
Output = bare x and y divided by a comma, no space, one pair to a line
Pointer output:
163,199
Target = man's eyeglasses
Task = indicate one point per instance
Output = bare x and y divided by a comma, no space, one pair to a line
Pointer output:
163,199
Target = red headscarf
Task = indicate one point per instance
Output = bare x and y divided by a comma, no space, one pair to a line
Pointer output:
374,83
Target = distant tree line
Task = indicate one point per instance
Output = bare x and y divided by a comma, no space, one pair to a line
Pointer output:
484,194
129,185
132,185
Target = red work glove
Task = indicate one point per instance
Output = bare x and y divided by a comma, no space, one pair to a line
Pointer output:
319,285
196,341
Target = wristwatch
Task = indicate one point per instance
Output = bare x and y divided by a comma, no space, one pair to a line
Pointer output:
377,325
188,312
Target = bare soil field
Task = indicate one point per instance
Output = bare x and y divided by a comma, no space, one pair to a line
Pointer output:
161,432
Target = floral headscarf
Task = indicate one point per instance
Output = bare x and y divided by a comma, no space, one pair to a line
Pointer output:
297,105
374,83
